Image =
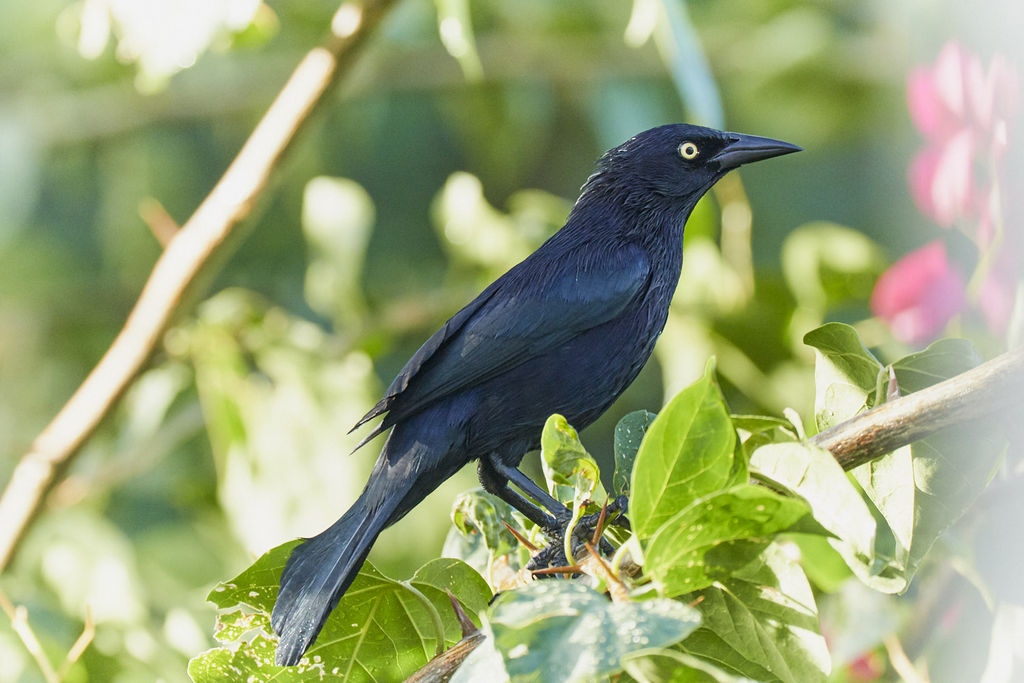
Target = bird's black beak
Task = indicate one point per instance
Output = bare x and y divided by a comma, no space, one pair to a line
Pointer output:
744,149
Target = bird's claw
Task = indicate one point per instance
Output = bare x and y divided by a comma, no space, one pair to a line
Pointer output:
582,532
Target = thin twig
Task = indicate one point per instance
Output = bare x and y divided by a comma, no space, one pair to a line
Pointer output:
160,223
465,623
985,390
19,623
519,537
599,529
79,646
204,235
901,662
572,569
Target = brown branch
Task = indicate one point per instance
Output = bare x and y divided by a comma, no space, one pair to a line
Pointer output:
202,236
987,389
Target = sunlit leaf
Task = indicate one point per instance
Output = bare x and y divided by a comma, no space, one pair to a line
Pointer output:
762,623
686,454
813,474
845,374
940,361
717,535
571,474
380,631
665,665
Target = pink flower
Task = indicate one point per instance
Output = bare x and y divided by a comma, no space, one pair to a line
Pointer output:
942,179
962,110
919,294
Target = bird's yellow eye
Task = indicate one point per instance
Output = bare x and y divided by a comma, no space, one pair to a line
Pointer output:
688,150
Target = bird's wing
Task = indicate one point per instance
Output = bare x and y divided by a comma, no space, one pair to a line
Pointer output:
532,309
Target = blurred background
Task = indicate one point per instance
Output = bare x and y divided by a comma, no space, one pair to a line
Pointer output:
454,148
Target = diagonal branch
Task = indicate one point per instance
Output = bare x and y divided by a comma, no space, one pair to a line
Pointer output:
203,236
988,389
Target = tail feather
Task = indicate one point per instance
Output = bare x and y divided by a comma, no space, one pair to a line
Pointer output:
317,574
321,569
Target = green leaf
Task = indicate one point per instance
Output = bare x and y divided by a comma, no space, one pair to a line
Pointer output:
756,424
480,512
673,666
940,361
762,622
754,431
888,483
571,473
823,565
718,534
564,631
944,473
837,505
687,453
951,469
845,374
481,538
252,661
381,630
629,433
444,574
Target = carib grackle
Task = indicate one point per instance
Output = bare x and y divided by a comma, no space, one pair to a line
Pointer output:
564,331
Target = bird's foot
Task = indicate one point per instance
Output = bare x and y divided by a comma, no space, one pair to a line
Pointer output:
588,529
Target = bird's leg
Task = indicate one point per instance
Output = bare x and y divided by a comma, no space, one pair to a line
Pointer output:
495,477
497,482
560,512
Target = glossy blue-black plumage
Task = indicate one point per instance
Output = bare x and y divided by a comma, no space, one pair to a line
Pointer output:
564,331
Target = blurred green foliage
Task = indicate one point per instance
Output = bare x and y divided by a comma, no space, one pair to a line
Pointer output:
455,147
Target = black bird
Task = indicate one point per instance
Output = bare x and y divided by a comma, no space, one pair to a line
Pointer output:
564,331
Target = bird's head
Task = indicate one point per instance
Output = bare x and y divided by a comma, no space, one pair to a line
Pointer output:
678,162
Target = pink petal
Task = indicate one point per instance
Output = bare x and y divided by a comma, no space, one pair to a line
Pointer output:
919,294
993,95
926,109
980,93
921,175
948,74
953,183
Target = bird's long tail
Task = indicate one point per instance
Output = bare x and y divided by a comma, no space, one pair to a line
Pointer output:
321,568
